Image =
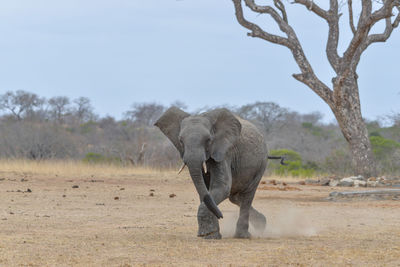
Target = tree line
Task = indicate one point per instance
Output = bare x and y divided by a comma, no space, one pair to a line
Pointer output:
37,128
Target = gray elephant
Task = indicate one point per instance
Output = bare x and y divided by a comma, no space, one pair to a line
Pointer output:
235,157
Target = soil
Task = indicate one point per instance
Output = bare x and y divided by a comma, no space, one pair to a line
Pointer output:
149,219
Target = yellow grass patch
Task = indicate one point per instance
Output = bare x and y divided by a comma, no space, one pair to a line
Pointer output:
71,168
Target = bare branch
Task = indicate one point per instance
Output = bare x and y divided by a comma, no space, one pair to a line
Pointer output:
382,37
361,40
397,20
310,5
333,36
351,19
307,75
279,5
332,18
317,86
283,25
256,31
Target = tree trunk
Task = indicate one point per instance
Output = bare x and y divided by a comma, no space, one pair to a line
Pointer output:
347,110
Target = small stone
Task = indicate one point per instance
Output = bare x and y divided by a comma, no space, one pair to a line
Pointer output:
324,181
29,191
372,183
371,179
349,181
333,182
152,190
75,186
122,188
358,183
172,195
63,195
284,184
116,198
263,182
302,183
151,194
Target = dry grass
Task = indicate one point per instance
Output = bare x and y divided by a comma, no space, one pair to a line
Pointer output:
111,219
71,168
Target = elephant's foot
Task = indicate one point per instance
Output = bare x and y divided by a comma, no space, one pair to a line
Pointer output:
213,235
242,234
208,224
209,231
258,221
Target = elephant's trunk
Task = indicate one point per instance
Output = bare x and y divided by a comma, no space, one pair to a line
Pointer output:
198,180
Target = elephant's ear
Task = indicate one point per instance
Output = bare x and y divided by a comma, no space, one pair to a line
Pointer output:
170,124
226,129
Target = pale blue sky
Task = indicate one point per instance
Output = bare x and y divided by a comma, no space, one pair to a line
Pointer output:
118,52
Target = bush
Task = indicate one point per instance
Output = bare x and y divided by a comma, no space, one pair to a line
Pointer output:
386,152
338,162
96,158
294,165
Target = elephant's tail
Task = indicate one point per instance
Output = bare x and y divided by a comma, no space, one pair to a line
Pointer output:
280,157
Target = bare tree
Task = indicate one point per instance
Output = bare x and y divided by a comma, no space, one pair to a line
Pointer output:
343,96
59,107
83,110
145,113
267,113
20,103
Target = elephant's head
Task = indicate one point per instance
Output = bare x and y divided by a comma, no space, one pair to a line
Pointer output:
199,138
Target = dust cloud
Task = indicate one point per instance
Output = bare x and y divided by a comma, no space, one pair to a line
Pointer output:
287,221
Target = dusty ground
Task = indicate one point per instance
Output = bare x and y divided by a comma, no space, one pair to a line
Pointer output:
111,220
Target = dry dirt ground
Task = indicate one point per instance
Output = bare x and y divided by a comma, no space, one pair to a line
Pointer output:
130,217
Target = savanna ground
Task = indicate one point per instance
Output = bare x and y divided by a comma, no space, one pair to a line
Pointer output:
82,215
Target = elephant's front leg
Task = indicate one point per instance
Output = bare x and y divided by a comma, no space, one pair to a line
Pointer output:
220,186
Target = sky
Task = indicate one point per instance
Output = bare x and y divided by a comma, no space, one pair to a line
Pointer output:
122,52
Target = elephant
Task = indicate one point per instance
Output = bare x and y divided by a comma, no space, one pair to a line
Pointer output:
226,157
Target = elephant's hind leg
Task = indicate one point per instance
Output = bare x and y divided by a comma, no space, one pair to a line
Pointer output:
258,220
247,212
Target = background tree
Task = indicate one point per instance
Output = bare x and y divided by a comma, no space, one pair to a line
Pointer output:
343,96
20,103
59,108
267,113
145,113
83,109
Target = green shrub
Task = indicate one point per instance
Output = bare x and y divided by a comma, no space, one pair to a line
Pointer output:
96,158
294,165
387,153
383,147
92,157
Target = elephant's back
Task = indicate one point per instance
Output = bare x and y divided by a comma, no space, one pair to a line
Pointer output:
252,138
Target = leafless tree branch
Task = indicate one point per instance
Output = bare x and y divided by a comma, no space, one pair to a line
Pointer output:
360,40
310,5
351,18
279,5
332,18
307,75
256,31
